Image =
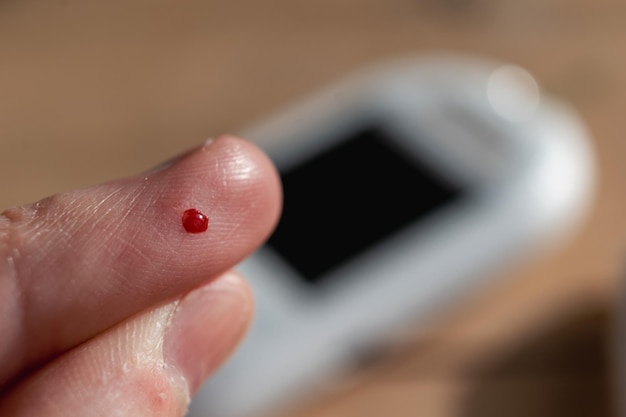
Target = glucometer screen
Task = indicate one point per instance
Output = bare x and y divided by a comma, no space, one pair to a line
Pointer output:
350,197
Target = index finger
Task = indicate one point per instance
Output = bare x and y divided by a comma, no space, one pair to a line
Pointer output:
77,263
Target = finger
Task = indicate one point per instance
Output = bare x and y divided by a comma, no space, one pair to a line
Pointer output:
149,365
77,263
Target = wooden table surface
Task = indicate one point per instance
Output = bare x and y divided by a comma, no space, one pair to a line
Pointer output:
90,91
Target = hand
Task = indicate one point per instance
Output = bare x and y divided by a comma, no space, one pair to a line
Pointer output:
108,307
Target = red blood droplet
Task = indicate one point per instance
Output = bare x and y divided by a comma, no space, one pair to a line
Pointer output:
195,221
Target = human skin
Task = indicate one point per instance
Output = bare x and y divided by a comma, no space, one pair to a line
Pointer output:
108,307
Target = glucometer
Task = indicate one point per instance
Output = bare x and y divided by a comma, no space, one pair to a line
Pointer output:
407,186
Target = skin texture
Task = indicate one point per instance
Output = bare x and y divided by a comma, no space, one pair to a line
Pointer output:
109,307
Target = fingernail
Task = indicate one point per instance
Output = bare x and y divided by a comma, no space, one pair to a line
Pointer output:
172,161
205,328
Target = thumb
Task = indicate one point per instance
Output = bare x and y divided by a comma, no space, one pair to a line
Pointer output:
149,365
78,263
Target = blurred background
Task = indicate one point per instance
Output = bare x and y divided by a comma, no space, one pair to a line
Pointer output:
94,90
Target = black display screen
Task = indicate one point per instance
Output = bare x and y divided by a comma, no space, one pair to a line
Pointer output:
350,197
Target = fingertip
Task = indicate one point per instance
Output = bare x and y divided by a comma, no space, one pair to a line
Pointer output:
150,364
118,248
235,185
226,176
206,327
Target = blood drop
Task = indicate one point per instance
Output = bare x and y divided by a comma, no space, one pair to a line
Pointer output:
195,221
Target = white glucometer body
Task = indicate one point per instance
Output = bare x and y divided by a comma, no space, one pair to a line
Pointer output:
407,186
